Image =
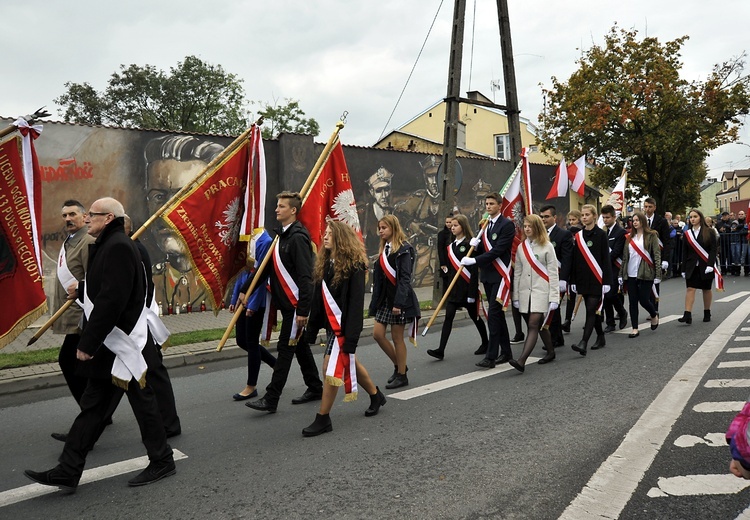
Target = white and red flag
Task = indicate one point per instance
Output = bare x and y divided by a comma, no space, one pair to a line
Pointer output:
560,186
513,208
255,194
577,175
617,199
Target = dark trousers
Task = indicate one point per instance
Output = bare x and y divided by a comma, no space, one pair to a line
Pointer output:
613,304
450,314
67,360
639,291
498,328
286,353
593,320
248,334
97,400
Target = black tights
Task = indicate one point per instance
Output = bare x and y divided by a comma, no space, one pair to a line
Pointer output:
450,314
534,321
593,320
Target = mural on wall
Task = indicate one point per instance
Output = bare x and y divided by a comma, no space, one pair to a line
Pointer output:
143,169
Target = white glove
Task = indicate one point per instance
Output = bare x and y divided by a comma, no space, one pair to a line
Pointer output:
471,300
620,280
553,306
709,269
664,265
467,260
573,288
683,275
657,281
516,304
563,286
444,269
606,288
474,242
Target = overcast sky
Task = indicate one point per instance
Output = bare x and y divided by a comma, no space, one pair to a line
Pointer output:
336,55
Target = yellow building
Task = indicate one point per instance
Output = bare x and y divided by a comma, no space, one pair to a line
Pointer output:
735,186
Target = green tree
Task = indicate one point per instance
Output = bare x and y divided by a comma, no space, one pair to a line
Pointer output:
288,118
627,100
194,96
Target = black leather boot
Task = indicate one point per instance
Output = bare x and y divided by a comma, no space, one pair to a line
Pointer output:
707,315
600,343
376,401
686,318
321,424
581,347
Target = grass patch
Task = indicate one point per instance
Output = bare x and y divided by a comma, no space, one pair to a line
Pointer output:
198,336
30,357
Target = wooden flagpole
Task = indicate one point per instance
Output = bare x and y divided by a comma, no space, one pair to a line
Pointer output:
303,193
30,119
198,178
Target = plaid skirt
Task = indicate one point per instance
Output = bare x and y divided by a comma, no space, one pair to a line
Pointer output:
385,316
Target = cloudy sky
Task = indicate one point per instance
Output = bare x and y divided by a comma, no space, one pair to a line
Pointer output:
356,56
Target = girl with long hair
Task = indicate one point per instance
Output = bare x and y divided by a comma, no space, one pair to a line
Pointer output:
393,301
699,246
466,291
536,290
338,305
641,269
591,270
574,226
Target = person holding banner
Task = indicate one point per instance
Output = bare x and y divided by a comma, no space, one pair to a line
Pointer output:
291,293
536,288
338,303
590,276
698,264
641,268
394,302
465,292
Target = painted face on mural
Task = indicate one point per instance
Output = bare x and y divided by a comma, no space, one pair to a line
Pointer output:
382,195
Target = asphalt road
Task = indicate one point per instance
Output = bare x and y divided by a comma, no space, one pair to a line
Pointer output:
604,436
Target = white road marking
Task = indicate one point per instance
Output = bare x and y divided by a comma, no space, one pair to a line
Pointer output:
732,297
437,386
742,338
662,320
613,484
693,485
13,496
745,515
719,406
727,383
734,364
745,329
738,350
715,440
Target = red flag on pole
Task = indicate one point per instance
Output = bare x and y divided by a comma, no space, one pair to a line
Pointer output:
330,196
512,207
208,219
21,280
255,195
577,175
560,186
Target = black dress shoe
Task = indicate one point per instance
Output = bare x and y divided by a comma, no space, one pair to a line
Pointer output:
376,401
504,358
547,359
653,327
321,424
174,433
53,477
481,351
623,321
62,437
558,344
262,405
609,328
240,397
154,471
565,326
437,354
687,318
601,342
634,334
307,397
486,363
518,338
401,380
580,348
518,366
395,373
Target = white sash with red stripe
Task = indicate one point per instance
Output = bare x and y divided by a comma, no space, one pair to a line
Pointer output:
456,263
503,292
594,266
388,270
290,289
645,256
342,368
693,241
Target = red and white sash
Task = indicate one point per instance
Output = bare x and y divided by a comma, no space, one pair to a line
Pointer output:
596,269
538,267
718,278
645,256
388,270
342,368
503,292
290,289
456,263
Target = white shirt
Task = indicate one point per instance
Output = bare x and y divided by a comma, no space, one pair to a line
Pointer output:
634,260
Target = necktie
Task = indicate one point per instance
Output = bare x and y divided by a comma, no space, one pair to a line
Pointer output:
387,249
650,221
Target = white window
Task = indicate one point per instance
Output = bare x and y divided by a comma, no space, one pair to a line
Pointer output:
502,146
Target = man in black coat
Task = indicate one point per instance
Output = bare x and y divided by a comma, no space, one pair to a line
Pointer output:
562,241
114,334
660,224
498,235
616,239
294,251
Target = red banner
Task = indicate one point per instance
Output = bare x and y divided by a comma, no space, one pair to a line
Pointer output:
21,281
208,219
330,196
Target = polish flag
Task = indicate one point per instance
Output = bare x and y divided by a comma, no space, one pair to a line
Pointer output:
560,186
577,175
512,207
617,199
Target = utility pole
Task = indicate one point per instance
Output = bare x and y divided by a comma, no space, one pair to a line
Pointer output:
509,75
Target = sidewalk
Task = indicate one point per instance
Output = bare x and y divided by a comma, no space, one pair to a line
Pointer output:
48,375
